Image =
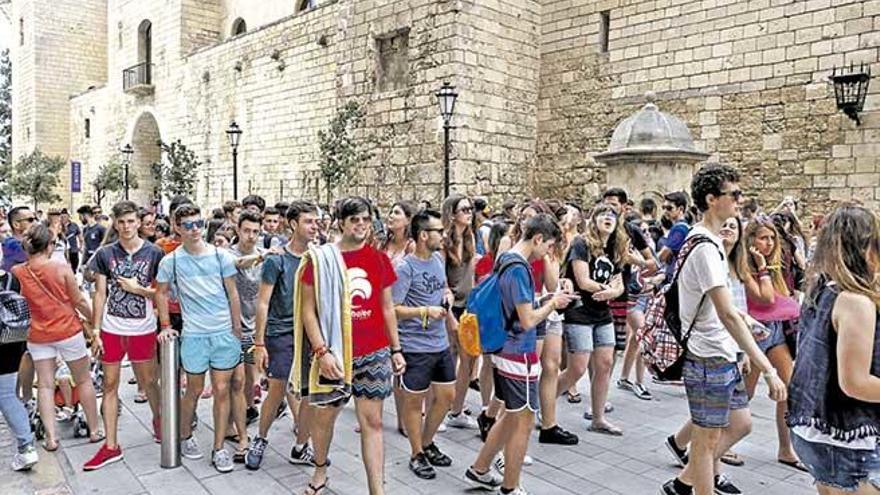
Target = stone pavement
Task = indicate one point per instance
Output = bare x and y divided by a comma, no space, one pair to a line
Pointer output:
634,464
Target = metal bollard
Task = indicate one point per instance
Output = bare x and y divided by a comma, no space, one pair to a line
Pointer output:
169,354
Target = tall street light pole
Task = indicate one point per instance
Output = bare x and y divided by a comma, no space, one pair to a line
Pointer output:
127,151
234,135
446,96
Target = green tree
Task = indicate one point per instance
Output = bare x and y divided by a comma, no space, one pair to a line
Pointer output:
111,178
5,125
36,177
341,152
177,174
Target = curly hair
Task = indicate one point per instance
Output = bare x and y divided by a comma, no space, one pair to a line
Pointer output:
709,180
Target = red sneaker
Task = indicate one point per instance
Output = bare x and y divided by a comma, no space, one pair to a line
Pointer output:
104,456
157,429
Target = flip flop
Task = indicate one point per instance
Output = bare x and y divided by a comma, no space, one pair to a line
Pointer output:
100,438
140,398
573,398
318,490
732,459
45,445
606,430
794,464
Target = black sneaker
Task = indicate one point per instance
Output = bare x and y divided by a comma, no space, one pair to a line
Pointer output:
251,415
474,384
303,456
487,481
485,423
672,488
420,466
680,455
435,457
557,436
723,486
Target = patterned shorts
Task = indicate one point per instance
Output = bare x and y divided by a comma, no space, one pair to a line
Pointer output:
714,387
371,375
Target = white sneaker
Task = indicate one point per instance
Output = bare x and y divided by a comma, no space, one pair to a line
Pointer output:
519,491
189,448
527,460
499,462
442,428
221,461
461,421
25,459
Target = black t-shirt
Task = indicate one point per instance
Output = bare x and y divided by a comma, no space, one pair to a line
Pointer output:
636,238
93,234
590,312
10,354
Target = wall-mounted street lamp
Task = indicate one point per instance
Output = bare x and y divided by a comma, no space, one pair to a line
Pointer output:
234,135
446,96
851,88
127,151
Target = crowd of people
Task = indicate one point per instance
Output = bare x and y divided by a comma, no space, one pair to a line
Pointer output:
302,307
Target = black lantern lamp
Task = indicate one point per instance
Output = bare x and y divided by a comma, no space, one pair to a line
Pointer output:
234,134
446,96
127,151
851,88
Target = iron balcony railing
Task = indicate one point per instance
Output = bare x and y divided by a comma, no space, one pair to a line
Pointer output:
137,75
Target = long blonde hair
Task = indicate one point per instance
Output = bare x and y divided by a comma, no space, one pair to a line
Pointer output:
618,240
848,252
774,261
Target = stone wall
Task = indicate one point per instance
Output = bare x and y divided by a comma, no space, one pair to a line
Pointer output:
748,77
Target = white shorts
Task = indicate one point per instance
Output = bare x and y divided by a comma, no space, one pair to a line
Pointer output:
70,349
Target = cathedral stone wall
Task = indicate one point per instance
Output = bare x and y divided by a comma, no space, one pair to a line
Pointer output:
542,85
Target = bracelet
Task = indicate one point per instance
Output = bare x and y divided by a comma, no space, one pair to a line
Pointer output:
763,273
553,304
320,351
423,311
164,326
770,373
396,351
259,345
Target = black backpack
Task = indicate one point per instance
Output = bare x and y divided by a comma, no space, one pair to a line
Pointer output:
15,314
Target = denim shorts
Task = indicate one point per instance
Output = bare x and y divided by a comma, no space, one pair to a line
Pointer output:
714,387
838,467
585,338
642,302
216,351
776,337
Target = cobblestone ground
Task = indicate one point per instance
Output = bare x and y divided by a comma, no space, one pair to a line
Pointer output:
634,464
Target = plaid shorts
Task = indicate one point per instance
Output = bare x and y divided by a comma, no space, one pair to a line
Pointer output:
714,387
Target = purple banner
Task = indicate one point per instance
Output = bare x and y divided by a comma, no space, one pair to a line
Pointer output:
75,177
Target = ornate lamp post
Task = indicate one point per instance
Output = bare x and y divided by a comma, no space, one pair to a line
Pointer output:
851,88
127,152
446,96
234,135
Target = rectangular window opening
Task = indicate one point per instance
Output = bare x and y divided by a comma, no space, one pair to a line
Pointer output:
392,67
88,128
604,29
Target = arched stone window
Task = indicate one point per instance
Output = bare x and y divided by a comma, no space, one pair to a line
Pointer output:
239,27
145,42
304,5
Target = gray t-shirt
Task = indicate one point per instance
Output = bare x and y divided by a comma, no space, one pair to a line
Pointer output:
247,281
421,283
279,271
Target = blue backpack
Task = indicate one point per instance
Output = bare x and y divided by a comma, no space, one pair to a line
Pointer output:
485,306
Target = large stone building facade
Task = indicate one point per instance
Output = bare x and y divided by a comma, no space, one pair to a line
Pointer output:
542,85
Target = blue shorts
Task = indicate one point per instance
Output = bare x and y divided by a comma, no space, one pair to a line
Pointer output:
837,467
516,394
714,387
777,337
280,350
426,368
642,302
585,338
217,351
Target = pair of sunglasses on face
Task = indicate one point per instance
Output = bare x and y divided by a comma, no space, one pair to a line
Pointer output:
193,224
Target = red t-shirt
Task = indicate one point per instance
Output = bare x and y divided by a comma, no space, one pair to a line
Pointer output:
538,273
369,273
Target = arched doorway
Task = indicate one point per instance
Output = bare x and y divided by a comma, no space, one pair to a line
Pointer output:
145,138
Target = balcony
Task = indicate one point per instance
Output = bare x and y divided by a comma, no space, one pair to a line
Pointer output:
138,79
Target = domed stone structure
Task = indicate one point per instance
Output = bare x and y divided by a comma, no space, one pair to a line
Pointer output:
651,152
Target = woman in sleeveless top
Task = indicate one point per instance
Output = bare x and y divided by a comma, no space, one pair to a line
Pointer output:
834,396
399,244
770,302
56,330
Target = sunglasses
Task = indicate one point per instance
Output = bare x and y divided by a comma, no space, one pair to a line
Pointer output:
193,224
440,230
607,214
735,194
466,209
28,219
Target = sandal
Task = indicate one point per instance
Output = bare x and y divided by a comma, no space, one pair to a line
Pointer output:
98,438
318,490
731,458
239,456
140,398
132,381
46,443
573,398
606,430
794,464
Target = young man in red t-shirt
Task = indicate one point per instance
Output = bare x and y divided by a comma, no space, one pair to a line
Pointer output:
374,329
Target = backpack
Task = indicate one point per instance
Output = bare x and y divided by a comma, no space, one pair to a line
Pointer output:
484,325
663,344
15,315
